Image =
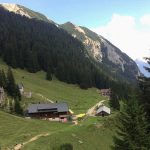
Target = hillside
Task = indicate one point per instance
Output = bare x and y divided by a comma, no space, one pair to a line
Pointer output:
79,100
37,45
108,58
104,53
19,130
15,129
47,135
23,11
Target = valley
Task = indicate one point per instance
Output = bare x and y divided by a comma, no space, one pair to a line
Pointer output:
64,86
15,130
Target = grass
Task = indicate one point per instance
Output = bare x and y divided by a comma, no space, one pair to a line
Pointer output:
15,129
92,133
79,100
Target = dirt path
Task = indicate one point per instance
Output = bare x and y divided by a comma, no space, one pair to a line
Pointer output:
21,145
90,111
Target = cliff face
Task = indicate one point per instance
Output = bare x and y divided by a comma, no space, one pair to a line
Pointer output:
104,52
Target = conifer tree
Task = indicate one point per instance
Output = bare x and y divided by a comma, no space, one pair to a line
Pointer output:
144,83
17,93
49,74
3,81
11,106
17,108
114,101
11,86
132,128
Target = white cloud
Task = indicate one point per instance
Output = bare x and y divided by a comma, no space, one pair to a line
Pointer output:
123,32
145,20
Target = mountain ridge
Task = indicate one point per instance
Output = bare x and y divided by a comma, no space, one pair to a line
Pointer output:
98,48
23,11
102,51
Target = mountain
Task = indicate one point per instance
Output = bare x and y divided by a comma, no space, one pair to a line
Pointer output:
35,45
23,11
107,58
141,64
104,52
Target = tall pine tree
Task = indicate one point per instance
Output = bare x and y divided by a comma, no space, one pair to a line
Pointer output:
11,86
3,81
144,83
49,74
17,108
132,128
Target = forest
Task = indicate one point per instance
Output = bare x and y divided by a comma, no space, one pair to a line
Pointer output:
35,45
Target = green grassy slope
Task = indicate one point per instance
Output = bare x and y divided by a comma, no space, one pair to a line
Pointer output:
89,134
79,100
92,133
15,130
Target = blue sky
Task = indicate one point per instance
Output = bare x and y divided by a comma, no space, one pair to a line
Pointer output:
89,13
125,23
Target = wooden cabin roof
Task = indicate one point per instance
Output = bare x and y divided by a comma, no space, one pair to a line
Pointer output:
49,107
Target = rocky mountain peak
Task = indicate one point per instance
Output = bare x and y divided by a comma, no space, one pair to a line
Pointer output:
23,11
98,48
92,45
77,28
16,9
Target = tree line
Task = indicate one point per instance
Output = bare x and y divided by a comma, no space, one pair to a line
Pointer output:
133,126
7,82
37,45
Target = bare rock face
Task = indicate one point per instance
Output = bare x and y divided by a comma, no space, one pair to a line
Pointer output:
113,56
103,51
92,45
95,48
23,11
16,9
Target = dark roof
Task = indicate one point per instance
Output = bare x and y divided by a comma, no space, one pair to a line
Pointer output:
58,107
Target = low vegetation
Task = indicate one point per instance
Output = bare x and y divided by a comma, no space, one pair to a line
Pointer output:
16,130
79,100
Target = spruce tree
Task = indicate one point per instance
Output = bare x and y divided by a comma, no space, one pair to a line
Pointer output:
17,108
114,101
11,105
49,75
132,128
144,84
3,81
17,93
11,86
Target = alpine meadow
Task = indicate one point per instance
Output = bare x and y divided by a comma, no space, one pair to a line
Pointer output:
64,85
